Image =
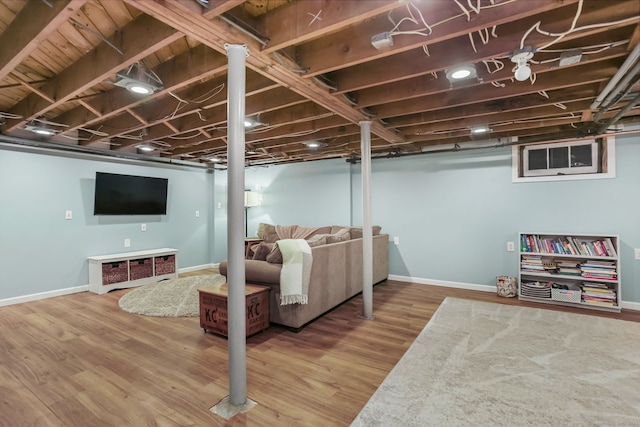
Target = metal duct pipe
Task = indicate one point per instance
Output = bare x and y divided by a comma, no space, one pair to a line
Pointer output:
633,56
621,113
10,141
611,102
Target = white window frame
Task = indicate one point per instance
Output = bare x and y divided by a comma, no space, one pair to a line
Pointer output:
608,163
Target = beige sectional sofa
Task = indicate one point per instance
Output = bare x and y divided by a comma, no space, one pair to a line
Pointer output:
336,273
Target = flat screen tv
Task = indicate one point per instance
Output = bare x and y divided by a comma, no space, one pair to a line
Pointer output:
129,195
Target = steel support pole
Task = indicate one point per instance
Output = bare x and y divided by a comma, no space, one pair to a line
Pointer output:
237,339
367,238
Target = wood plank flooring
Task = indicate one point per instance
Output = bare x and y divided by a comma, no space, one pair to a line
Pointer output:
78,360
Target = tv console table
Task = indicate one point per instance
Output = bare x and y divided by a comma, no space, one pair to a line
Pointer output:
130,269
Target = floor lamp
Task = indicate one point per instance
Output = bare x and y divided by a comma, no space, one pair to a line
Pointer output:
251,200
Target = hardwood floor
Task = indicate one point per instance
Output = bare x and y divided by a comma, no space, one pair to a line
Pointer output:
78,360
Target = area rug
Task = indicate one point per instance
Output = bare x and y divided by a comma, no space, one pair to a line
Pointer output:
486,364
168,298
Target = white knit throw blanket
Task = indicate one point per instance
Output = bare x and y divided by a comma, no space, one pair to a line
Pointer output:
296,271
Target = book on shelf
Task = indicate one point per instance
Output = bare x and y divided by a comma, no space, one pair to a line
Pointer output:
608,244
598,296
570,271
599,302
594,285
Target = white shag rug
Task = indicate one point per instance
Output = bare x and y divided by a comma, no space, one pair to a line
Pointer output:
168,298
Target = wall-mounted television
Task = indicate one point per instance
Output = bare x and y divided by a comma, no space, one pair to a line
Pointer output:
117,194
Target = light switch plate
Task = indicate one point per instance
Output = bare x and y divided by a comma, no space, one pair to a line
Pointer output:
197,214
511,246
127,243
143,227
68,214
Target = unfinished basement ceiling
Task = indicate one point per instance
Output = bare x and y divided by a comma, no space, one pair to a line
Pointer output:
314,73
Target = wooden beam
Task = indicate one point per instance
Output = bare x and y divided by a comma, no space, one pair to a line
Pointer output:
353,46
427,84
183,70
301,21
138,39
216,35
32,26
486,93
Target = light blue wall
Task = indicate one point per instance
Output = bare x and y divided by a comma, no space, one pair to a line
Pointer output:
41,251
307,194
455,212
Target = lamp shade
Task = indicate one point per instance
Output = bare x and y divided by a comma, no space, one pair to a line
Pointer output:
251,199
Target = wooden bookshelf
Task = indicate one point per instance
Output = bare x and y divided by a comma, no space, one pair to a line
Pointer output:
568,269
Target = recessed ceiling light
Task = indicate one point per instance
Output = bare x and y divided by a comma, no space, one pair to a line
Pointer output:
139,87
40,129
315,144
480,129
145,147
461,72
138,80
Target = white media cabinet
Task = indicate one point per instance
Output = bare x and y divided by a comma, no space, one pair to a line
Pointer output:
130,269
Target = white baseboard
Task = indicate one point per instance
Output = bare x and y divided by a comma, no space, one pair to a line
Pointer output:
76,289
445,283
43,295
629,305
197,267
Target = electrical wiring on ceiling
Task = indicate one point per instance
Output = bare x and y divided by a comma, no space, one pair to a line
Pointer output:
572,29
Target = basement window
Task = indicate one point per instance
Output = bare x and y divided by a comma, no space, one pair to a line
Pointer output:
579,159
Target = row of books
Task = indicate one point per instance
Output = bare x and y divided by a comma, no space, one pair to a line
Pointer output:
603,270
593,269
567,245
598,294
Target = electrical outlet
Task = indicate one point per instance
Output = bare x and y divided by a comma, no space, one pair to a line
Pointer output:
68,214
396,240
511,246
143,227
197,214
637,253
127,243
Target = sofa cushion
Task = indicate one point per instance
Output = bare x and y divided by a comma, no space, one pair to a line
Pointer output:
267,232
274,256
262,250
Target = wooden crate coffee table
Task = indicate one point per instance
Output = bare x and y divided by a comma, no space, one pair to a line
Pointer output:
213,308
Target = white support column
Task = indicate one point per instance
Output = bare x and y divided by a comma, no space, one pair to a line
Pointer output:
237,339
367,238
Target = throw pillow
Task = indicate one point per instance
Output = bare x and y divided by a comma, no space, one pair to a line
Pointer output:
356,232
321,230
267,232
317,240
262,250
341,236
274,256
